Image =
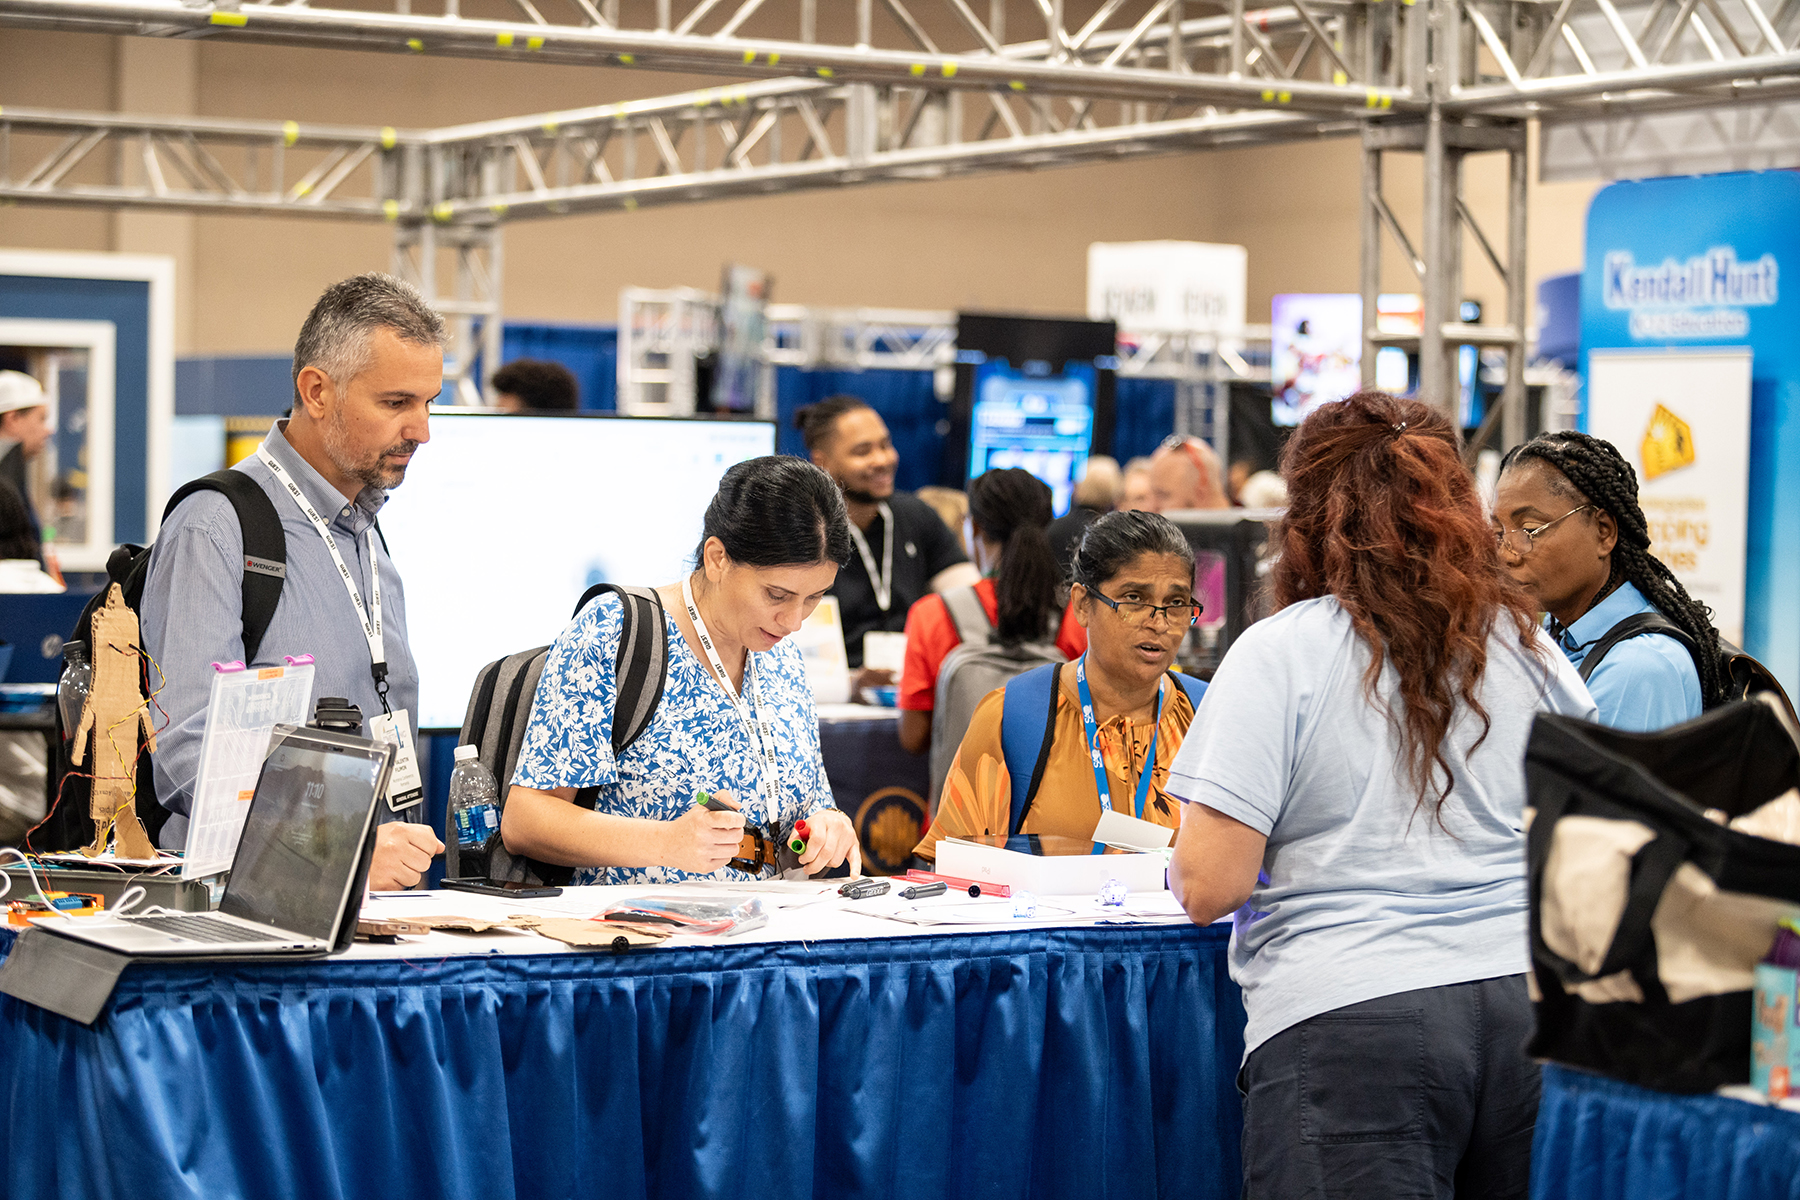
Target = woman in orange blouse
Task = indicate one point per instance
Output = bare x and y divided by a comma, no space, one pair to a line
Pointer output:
1134,594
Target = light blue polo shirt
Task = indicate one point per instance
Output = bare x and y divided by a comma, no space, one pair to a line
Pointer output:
1644,683
1366,895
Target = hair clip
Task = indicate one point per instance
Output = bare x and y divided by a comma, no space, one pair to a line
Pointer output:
1400,428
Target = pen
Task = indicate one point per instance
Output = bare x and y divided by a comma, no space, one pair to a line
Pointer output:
920,891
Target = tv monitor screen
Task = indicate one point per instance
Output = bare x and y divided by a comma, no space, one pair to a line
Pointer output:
1041,422
504,521
1315,351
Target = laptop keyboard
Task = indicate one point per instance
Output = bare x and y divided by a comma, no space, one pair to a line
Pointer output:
201,929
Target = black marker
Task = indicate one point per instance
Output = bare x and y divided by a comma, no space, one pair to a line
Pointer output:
920,891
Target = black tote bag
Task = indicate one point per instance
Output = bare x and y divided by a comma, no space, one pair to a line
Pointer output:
1648,913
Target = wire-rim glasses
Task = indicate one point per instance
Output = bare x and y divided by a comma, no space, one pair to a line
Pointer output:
1137,612
1520,541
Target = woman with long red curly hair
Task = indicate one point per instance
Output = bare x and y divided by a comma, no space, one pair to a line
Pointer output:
1362,749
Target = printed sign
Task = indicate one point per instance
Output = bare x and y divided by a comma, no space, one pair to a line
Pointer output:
1168,287
1682,419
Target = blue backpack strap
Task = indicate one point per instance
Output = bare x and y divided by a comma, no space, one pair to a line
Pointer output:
1195,688
1027,725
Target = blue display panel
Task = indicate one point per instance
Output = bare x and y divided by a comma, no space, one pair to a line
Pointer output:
1042,423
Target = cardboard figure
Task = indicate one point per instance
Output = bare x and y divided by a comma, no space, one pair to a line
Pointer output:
115,713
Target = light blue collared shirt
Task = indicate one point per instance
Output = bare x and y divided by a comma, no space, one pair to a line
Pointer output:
192,614
1644,683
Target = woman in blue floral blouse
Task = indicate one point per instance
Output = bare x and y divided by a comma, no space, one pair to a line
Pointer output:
736,717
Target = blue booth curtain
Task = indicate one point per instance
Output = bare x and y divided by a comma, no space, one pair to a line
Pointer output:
1048,1063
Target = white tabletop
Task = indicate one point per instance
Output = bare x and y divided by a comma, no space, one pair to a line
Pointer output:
796,911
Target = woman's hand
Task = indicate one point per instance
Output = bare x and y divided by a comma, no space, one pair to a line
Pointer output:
702,840
833,837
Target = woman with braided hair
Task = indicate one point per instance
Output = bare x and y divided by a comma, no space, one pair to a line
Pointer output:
1572,535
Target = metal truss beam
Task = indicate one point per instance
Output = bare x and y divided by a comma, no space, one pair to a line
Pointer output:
1140,62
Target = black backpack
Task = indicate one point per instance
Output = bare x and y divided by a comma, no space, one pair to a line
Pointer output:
1744,676
68,825
500,709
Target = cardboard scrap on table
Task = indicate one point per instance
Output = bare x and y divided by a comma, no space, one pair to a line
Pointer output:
116,712
614,935
452,924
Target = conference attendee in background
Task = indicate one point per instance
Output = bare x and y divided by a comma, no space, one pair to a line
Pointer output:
1020,590
530,385
952,508
1134,594
22,762
1184,474
24,432
1573,536
1135,493
367,364
735,717
902,550
1096,492
1264,489
1361,749
1239,474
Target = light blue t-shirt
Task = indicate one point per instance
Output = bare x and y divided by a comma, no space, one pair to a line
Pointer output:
695,742
1644,683
1366,895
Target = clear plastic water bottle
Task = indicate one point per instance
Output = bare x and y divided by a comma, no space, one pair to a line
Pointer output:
474,813
73,688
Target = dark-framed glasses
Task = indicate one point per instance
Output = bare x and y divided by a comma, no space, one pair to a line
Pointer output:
1139,613
1520,541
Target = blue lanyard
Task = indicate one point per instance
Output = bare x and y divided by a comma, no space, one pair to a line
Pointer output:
1093,742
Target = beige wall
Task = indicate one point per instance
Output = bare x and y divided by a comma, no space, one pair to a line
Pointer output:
1012,242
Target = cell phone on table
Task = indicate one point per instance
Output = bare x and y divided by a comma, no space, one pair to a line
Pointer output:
509,888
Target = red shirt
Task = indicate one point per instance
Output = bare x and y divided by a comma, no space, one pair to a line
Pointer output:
931,636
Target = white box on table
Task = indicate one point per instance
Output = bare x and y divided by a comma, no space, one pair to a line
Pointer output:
1055,866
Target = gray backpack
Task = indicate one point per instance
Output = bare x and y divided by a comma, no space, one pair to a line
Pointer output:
972,670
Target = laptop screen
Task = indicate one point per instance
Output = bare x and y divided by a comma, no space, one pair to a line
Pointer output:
303,836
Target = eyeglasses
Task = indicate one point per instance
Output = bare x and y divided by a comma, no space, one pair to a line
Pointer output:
1138,613
1520,541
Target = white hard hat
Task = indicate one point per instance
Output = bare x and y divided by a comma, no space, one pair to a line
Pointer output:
18,390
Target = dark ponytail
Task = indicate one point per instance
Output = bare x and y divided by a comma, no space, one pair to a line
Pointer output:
777,511
1594,472
1012,507
818,422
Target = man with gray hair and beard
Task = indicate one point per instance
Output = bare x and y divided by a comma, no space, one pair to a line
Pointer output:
368,363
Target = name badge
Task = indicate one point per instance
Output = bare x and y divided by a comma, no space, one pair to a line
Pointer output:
405,787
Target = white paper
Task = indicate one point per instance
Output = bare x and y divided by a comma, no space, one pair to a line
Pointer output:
884,651
244,709
1132,833
821,644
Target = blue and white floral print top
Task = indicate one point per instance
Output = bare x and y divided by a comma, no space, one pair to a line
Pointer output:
695,742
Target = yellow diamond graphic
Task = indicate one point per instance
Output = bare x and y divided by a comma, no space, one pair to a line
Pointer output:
1668,444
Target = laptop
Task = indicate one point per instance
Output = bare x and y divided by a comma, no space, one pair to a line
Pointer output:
297,880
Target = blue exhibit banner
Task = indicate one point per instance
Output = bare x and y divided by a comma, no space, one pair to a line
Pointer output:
1687,262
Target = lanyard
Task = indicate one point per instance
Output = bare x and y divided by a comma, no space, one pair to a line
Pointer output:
370,616
884,582
761,734
1093,741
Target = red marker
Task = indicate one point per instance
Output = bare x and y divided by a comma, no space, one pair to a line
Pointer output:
974,887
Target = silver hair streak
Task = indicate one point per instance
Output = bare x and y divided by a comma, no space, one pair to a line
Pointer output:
335,337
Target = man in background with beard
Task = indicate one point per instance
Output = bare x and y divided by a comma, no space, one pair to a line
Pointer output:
903,549
368,363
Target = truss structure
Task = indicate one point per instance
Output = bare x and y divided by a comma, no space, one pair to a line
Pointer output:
664,332
848,92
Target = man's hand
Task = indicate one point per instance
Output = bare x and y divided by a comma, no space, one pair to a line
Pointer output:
832,839
403,853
